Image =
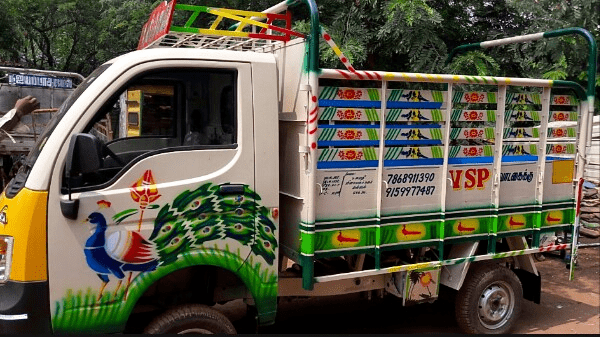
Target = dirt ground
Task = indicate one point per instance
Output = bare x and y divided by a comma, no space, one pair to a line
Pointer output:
567,307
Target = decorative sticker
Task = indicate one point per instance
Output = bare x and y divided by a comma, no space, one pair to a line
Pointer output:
517,149
414,115
562,171
521,133
570,132
200,226
473,115
349,114
521,116
568,148
472,133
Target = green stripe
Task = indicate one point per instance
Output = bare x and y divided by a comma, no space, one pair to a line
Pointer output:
565,205
491,115
455,115
323,154
436,115
328,92
488,150
489,133
457,97
395,95
455,132
509,97
573,116
436,133
535,116
491,97
454,150
374,94
393,115
392,134
535,98
372,115
533,149
437,152
438,96
326,134
328,113
392,153
369,153
372,134
333,154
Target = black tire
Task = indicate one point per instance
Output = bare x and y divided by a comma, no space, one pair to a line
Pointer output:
489,301
192,319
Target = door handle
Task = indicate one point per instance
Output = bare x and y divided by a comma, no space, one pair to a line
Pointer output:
231,189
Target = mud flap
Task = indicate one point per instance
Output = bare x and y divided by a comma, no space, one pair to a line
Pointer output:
531,283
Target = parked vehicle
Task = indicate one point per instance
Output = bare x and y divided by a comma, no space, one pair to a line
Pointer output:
50,88
221,164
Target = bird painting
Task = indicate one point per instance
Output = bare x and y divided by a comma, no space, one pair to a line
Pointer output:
120,252
193,220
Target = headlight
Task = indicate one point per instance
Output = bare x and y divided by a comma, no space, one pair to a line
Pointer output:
6,246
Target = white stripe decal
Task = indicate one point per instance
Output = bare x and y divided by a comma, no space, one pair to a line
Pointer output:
13,317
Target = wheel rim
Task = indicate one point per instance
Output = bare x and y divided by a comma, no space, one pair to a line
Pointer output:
496,305
195,331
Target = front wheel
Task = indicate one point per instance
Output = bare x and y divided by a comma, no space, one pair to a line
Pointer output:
191,319
489,300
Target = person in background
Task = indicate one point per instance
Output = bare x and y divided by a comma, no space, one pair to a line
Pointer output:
11,121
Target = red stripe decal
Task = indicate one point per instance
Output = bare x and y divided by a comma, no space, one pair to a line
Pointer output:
343,73
312,131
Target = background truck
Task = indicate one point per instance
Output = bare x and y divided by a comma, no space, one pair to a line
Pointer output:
51,89
235,168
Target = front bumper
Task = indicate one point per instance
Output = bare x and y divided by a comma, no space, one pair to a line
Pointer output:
24,307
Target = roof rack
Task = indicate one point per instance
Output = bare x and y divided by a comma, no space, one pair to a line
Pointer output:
262,37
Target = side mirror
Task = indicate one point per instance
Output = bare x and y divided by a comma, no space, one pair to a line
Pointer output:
83,156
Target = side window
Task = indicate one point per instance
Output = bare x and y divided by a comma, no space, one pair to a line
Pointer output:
162,111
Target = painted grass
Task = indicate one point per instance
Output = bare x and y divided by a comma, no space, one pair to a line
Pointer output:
81,311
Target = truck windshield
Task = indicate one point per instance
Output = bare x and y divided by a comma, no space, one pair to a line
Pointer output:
18,181
33,155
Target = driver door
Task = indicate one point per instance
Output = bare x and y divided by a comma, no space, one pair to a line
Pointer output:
174,187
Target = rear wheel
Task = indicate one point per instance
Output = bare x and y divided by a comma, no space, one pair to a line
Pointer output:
191,319
489,300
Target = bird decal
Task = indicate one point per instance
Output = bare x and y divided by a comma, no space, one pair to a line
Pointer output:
193,221
116,254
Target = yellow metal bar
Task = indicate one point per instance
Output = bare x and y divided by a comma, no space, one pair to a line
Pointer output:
222,32
216,22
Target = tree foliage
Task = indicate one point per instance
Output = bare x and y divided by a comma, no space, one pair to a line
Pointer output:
395,35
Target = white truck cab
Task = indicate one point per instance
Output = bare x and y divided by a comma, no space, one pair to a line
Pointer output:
235,168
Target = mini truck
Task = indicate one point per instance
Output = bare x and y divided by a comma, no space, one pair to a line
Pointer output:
235,167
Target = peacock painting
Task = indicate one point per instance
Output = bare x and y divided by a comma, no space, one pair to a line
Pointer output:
192,221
